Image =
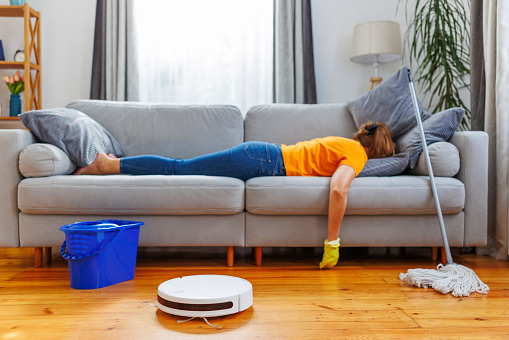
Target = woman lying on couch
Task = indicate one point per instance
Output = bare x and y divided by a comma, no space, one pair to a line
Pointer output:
340,158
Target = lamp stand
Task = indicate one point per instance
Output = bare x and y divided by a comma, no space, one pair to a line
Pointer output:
374,81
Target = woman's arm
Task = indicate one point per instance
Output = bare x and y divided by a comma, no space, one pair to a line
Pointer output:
339,185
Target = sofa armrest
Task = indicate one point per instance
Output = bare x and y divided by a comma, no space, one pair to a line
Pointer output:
12,141
473,148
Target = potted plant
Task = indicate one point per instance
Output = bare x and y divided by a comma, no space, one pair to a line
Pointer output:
438,39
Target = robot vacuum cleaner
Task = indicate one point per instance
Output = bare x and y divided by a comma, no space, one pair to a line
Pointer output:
204,295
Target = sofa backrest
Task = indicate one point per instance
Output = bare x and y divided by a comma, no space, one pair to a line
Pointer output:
180,131
292,123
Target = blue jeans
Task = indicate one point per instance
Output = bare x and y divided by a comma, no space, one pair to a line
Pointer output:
244,161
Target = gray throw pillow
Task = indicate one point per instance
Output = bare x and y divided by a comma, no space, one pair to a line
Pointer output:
390,166
390,102
438,128
78,135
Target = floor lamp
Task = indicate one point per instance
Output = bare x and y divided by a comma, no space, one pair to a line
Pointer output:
375,43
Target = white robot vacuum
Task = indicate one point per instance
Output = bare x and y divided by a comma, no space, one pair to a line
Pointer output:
204,295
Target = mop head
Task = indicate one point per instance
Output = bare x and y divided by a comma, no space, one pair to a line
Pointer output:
452,278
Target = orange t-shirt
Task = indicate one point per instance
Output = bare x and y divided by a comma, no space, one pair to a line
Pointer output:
323,156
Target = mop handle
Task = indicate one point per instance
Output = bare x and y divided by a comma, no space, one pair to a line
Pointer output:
430,170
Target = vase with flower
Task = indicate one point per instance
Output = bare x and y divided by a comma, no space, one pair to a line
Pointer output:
16,85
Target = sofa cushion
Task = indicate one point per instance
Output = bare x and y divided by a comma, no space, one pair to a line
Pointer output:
41,159
131,195
78,135
292,123
438,128
397,195
445,160
390,102
178,131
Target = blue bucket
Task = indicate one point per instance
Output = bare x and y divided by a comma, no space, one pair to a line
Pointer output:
100,253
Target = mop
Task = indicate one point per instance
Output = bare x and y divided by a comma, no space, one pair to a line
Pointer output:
450,278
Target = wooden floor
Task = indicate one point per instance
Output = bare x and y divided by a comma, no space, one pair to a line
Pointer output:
361,298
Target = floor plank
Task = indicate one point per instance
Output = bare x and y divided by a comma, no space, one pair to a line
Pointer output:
361,298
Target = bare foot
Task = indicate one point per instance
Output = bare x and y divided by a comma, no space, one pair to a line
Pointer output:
102,165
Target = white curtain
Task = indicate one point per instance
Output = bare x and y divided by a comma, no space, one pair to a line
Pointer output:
496,54
205,52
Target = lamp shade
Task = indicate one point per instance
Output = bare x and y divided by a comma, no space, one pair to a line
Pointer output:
376,41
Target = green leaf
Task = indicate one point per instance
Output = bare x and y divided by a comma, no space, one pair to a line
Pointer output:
438,40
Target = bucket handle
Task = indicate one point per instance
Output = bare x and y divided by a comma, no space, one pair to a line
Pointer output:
91,253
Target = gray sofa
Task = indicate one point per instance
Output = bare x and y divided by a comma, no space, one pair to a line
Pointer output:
216,211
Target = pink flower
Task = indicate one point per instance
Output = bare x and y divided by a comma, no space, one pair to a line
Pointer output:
16,83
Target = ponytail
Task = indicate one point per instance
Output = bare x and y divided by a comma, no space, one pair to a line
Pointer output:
377,138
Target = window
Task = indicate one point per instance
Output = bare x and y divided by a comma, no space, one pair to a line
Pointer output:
205,52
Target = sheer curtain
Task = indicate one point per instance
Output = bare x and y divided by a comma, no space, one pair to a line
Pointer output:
206,52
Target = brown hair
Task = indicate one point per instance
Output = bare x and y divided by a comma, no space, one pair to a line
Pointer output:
377,138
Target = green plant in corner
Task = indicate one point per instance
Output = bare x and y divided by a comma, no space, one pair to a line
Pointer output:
438,39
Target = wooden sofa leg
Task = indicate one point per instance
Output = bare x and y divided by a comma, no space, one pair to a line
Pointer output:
47,254
434,253
38,257
230,251
258,255
444,257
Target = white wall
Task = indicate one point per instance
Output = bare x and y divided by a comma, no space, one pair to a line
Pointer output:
337,78
67,34
67,30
